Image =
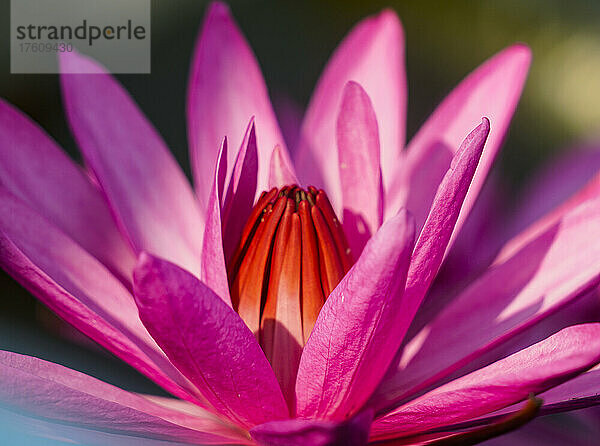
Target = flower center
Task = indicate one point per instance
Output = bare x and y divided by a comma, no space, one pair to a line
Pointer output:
291,255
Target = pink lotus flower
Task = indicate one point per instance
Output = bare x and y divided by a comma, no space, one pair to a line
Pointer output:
322,353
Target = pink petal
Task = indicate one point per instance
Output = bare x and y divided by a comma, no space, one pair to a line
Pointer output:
373,55
434,239
241,191
357,332
36,170
147,191
48,390
214,272
510,380
360,172
80,290
298,432
492,90
225,90
208,342
543,272
281,173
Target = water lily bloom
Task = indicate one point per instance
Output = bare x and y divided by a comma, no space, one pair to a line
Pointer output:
288,299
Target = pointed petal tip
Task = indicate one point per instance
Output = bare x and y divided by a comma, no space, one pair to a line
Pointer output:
522,51
74,62
518,56
388,17
218,9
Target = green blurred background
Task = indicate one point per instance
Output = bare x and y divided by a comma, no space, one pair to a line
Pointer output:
293,40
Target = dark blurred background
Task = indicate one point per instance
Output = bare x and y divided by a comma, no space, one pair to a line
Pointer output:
293,40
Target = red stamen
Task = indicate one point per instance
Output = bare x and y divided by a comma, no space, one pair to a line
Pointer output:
292,253
281,325
332,270
247,289
336,230
312,292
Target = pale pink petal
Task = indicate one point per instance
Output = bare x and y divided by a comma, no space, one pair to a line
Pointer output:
146,189
547,268
80,290
225,90
21,429
281,173
360,172
298,432
37,171
357,332
239,198
214,272
373,55
510,380
208,342
492,90
43,389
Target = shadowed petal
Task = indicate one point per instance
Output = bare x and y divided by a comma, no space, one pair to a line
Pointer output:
360,172
578,393
538,273
555,183
214,272
357,332
54,392
297,432
492,90
434,239
225,90
238,201
146,189
208,342
377,41
36,170
80,290
533,370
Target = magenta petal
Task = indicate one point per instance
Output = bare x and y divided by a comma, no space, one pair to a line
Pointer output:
208,342
146,189
281,172
357,332
435,237
225,90
48,390
298,432
536,274
533,370
238,201
36,170
80,290
492,90
214,272
373,55
358,153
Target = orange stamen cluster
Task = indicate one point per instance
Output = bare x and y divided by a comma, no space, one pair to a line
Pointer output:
291,255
